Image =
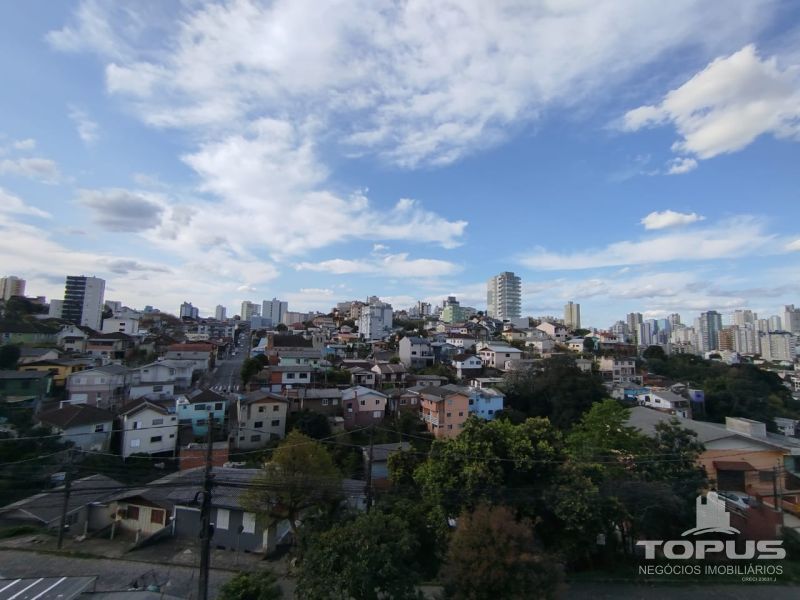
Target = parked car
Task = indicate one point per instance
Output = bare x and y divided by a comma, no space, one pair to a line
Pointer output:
738,499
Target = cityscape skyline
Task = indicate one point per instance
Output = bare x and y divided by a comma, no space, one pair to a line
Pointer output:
602,178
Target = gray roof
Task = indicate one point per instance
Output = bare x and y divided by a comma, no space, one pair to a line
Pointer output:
320,393
262,396
46,506
646,419
381,452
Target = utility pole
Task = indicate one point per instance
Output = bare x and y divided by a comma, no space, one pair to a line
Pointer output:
777,500
65,504
205,516
369,467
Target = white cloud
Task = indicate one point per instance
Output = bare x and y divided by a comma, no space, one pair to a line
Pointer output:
26,144
726,106
735,237
417,83
12,204
123,210
391,265
793,246
669,218
88,130
40,169
681,165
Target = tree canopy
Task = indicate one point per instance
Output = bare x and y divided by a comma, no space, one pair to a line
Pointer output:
260,585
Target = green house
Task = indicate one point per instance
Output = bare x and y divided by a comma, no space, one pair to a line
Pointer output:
25,388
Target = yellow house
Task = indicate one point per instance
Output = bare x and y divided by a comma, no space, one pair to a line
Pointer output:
61,368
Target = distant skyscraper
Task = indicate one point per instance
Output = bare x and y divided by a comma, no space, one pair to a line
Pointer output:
83,301
504,296
188,311
572,315
275,310
11,286
791,319
219,313
743,317
375,320
634,319
250,309
708,334
775,323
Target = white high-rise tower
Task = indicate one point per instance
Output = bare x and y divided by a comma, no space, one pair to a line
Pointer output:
504,296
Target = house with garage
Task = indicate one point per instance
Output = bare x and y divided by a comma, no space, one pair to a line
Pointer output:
147,427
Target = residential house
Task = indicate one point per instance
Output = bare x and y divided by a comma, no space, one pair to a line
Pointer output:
359,376
126,325
59,368
202,355
541,346
379,461
404,400
444,410
413,379
105,387
88,427
305,357
363,406
110,346
443,352
666,401
585,364
415,352
25,388
84,513
514,335
388,374
554,331
619,370
160,379
277,378
462,341
27,334
261,417
576,344
28,354
147,428
73,338
326,401
739,455
194,409
496,355
483,402
467,365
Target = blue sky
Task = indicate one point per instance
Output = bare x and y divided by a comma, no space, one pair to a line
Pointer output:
627,155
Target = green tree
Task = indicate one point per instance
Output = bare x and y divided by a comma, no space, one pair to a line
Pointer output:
300,476
654,352
281,327
250,368
369,558
314,425
496,462
604,437
9,355
492,555
260,585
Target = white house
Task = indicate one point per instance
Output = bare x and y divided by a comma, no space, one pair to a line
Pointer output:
554,331
125,325
666,401
496,355
261,418
105,387
467,364
415,352
619,370
147,428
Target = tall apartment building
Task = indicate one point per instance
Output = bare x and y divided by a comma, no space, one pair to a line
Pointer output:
710,324
743,317
189,311
83,300
275,310
11,286
504,296
220,313
633,320
375,320
776,323
791,319
249,310
572,315
778,346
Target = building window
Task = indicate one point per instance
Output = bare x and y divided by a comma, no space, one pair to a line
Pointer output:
136,424
135,443
158,388
132,512
158,421
402,401
362,402
223,518
255,438
460,414
155,439
275,408
324,402
449,414
303,375
261,409
376,414
218,406
171,435
276,423
99,428
157,516
248,522
199,406
258,424
290,376
413,401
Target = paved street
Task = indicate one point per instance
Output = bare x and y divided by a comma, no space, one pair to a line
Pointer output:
226,374
111,574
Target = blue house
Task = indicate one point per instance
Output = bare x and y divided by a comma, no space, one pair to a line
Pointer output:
484,402
193,409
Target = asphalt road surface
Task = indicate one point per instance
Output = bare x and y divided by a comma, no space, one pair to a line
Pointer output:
226,374
111,574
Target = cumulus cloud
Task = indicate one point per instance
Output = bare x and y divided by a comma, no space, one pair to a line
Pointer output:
390,265
11,204
726,106
118,209
414,82
681,165
26,144
40,169
88,130
793,246
735,237
669,218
